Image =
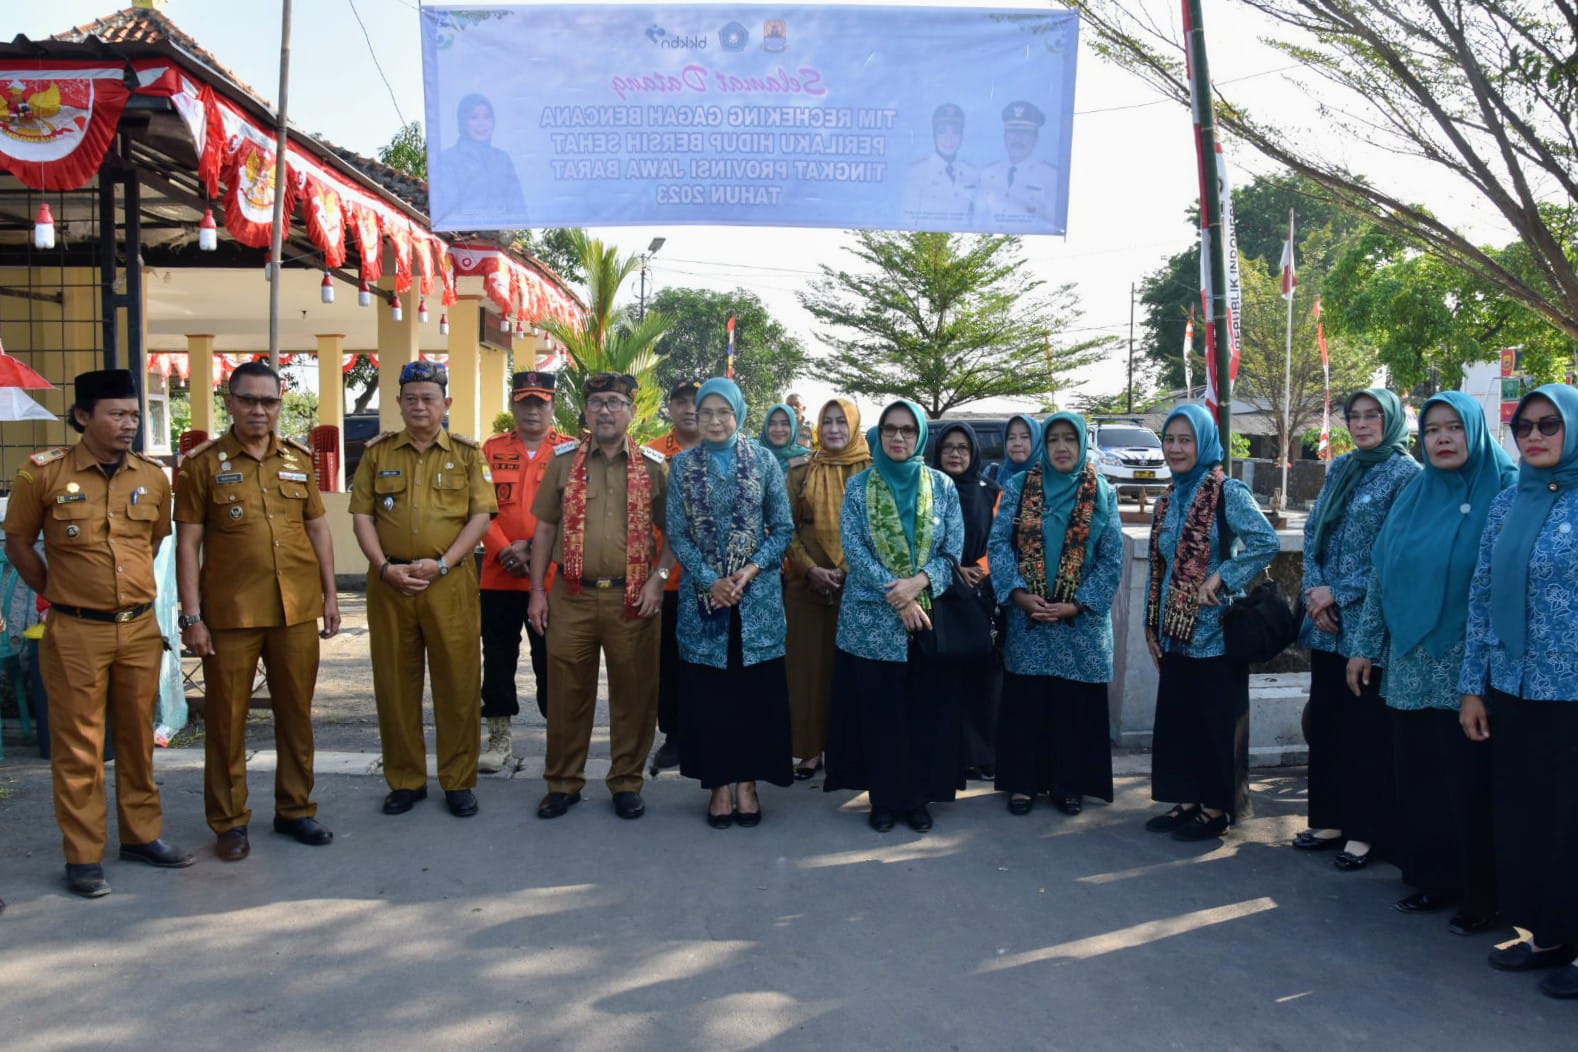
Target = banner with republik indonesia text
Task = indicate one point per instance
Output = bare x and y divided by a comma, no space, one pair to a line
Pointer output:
910,118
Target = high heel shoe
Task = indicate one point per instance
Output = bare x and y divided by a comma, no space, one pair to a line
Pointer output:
748,819
723,821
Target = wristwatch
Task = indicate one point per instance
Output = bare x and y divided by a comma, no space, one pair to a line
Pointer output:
443,567
188,620
664,572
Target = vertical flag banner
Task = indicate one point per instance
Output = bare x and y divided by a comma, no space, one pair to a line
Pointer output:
908,118
731,346
1324,450
1290,274
1187,347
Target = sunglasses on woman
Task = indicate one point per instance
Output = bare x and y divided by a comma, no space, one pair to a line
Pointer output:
1548,426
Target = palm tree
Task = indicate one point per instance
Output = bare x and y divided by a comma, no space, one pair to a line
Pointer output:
608,340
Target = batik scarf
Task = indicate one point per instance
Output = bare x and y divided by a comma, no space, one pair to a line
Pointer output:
638,524
1191,561
888,535
726,551
1063,505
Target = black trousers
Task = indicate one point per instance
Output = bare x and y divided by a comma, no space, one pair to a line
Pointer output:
1352,771
1200,744
503,617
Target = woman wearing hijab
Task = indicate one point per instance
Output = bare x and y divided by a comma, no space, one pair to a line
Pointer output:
1352,790
957,454
1021,440
729,526
1522,638
893,724
474,178
780,436
1200,742
1058,548
1413,623
816,571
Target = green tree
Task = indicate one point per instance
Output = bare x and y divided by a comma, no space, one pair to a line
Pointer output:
946,320
556,247
407,151
766,357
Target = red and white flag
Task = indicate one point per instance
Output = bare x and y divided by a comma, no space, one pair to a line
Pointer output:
1187,347
1323,451
1290,274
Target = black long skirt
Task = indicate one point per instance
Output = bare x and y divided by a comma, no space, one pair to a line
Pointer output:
979,682
1200,741
1443,842
893,730
735,720
1052,736
1535,768
1351,782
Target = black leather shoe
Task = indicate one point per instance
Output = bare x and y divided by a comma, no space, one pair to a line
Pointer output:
308,831
629,805
87,879
1200,827
1308,841
748,819
232,845
1348,862
462,803
1423,902
880,819
156,853
722,821
919,819
555,805
402,800
1523,957
1166,823
667,754
1020,805
1561,983
1069,805
988,772
1463,923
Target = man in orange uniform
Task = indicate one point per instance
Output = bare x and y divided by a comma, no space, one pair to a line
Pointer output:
683,435
518,461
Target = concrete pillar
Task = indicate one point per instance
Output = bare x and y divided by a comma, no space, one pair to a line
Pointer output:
201,381
465,370
397,346
331,398
494,398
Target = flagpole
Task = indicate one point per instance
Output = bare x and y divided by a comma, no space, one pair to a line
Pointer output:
277,231
1287,368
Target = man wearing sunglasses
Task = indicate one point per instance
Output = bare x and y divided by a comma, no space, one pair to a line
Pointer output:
255,566
422,500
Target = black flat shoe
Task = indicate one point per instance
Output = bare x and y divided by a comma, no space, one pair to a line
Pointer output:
805,774
988,772
1199,827
1069,805
1470,923
1348,862
667,754
748,819
462,803
86,879
880,819
1021,805
556,804
722,821
400,801
919,819
1561,983
157,853
629,805
1166,823
308,831
1523,957
1424,902
1307,841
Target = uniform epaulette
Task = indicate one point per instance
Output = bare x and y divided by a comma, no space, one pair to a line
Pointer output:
49,456
155,461
652,454
465,440
300,446
566,447
495,437
379,437
200,447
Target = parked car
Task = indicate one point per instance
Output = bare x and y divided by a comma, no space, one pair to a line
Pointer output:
359,427
989,432
1129,455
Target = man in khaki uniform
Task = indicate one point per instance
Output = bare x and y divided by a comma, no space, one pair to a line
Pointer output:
597,512
103,509
252,518
422,500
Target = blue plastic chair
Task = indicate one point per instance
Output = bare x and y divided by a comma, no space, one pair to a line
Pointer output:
10,651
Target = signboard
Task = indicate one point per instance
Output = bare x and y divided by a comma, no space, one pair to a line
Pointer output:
918,118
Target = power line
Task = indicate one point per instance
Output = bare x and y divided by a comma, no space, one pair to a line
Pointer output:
376,64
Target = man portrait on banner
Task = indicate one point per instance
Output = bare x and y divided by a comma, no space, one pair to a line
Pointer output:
940,188
474,182
1019,193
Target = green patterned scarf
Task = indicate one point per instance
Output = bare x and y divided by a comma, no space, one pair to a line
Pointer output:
887,529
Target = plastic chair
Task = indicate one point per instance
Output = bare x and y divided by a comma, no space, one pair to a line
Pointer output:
10,651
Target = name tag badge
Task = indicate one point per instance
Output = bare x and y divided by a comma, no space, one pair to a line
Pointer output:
229,476
293,476
70,498
390,473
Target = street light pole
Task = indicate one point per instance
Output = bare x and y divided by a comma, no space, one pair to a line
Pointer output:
646,259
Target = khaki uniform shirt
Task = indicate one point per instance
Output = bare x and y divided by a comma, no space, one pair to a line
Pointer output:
1020,196
259,568
606,517
420,501
100,532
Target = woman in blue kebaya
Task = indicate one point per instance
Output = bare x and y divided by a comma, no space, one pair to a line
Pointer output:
729,525
1021,441
1351,788
1520,687
1413,623
893,722
1057,551
1200,743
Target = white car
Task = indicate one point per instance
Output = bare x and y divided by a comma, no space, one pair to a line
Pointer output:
1129,455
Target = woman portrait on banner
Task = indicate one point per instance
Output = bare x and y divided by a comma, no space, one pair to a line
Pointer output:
815,573
781,436
893,724
1057,549
957,454
1413,624
473,180
1520,688
1352,790
729,526
1200,741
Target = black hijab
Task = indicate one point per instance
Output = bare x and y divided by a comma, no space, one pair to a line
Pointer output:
977,496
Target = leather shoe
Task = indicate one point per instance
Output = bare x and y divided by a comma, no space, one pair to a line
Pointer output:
1069,805
1020,805
1523,957
402,800
1308,841
462,803
722,821
1561,983
1166,823
749,819
919,819
1463,923
555,805
1423,902
232,845
1348,862
629,805
157,853
667,754
1200,827
880,819
87,879
308,831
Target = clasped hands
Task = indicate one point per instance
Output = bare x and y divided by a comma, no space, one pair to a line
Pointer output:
1321,606
904,596
728,591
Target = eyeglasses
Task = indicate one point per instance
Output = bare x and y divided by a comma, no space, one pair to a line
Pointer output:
705,415
1366,418
1548,426
258,401
956,448
423,372
606,404
890,430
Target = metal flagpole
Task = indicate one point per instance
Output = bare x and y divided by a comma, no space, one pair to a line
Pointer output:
277,242
1287,368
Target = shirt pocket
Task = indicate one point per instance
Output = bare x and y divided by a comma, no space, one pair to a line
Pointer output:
142,510
389,484
230,509
293,490
451,492
69,522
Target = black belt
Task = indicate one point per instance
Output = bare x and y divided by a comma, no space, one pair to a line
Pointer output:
400,562
602,582
114,617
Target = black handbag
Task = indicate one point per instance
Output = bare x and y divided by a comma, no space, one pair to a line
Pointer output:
1259,625
961,620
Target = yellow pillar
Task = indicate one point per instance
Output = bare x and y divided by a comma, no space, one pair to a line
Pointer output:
465,377
495,386
331,397
397,346
200,382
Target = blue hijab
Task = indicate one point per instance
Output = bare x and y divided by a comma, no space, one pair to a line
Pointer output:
1009,469
1425,555
1207,442
1347,472
1062,489
1537,491
789,450
722,453
902,476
